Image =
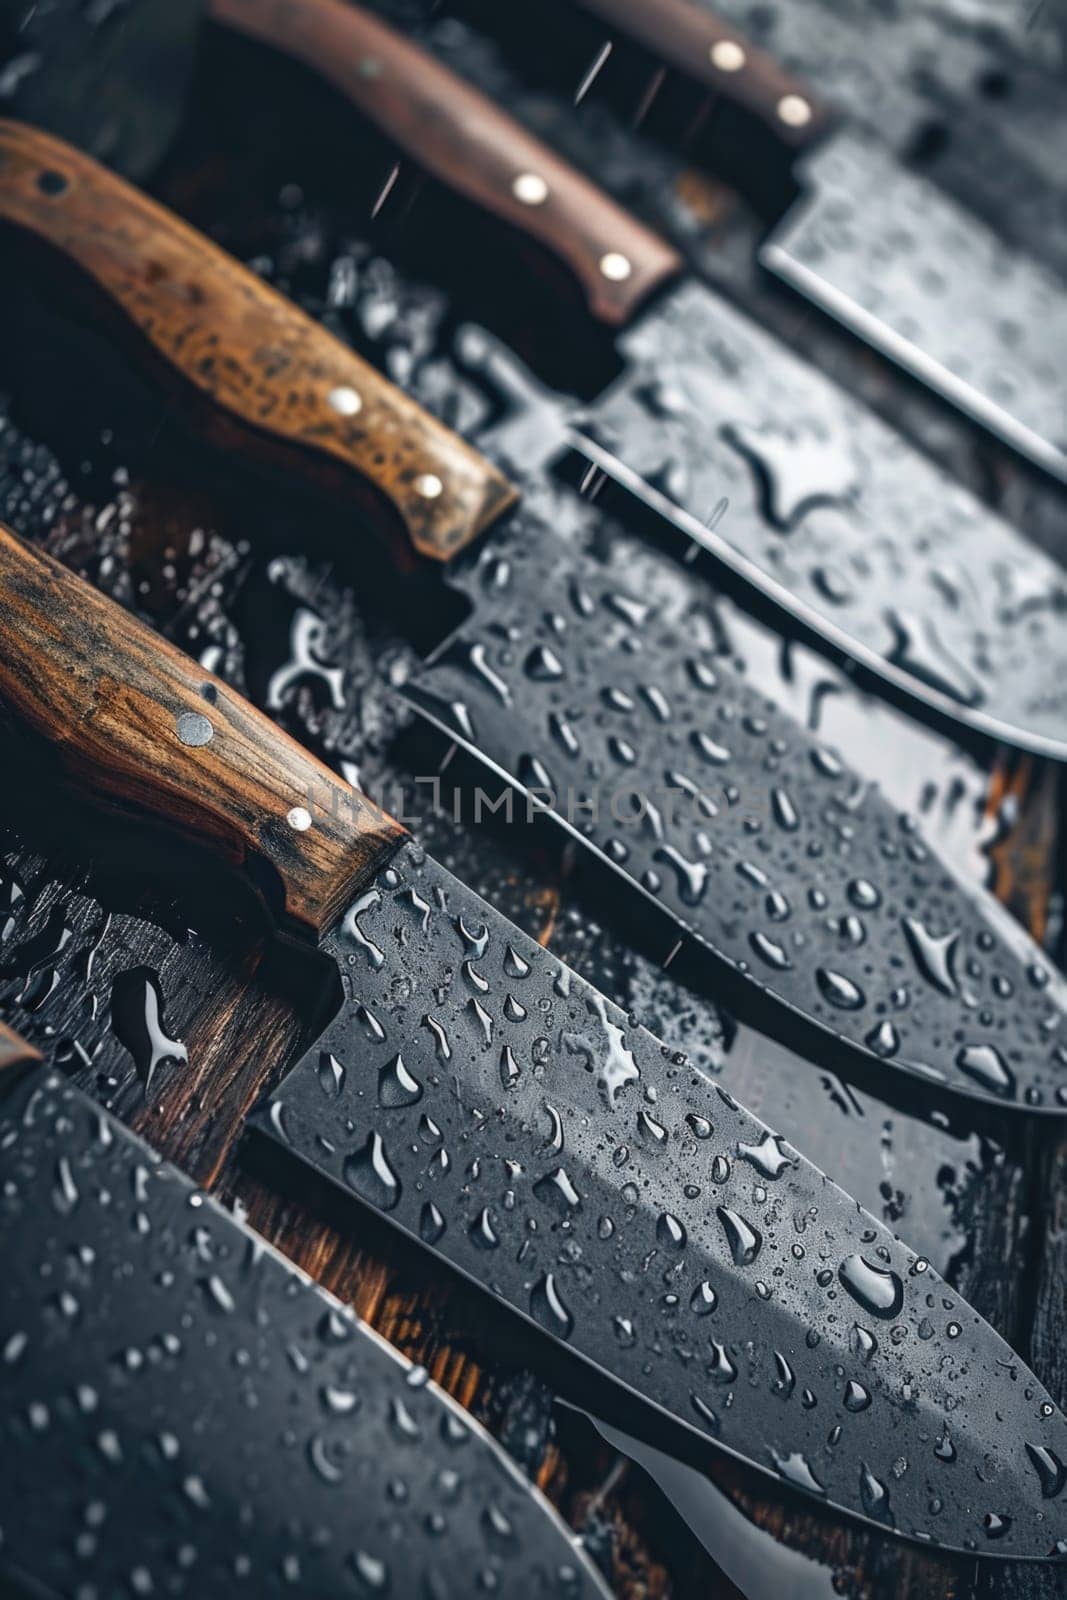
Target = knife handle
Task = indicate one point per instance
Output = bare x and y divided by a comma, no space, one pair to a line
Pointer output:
463,139
14,1051
141,726
696,42
263,377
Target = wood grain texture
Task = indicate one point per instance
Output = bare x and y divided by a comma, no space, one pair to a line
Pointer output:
275,383
693,40
142,726
451,130
14,1050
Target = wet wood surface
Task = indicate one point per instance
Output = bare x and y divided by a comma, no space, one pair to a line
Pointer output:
154,983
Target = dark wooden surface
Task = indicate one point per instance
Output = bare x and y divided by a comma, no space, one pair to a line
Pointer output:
155,983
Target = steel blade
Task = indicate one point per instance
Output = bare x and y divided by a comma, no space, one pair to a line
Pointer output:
836,519
183,1412
500,1110
930,286
820,904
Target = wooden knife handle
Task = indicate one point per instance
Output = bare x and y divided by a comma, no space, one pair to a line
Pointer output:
451,130
694,40
141,726
14,1051
264,377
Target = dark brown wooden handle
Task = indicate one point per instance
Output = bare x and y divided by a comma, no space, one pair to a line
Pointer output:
14,1051
451,130
692,39
142,726
266,377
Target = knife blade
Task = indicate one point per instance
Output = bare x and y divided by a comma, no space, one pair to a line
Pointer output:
882,249
182,1409
949,606
797,964
505,1114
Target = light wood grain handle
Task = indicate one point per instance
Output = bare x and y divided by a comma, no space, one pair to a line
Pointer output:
263,376
141,726
461,137
695,41
14,1051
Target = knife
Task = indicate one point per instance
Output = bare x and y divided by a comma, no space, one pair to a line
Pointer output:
833,518
709,801
182,1410
505,1114
882,249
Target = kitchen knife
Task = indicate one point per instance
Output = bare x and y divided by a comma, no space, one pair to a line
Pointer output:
882,249
501,1111
824,917
833,517
182,1411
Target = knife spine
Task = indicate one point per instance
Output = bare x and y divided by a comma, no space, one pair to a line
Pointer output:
462,138
261,375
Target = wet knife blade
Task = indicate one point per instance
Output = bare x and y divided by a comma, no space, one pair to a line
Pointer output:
801,969
504,1113
164,1368
883,250
833,517
804,887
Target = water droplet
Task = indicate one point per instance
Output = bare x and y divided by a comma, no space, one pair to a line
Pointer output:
368,1172
703,1300
482,1232
744,1240
396,1086
767,1157
784,811
543,665
985,1064
548,1308
877,1289
1051,1471
874,1496
331,1075
857,1398
839,990
557,1190
720,1368
670,1232
351,929
770,951
716,755
431,1223
137,1022
934,955
796,1470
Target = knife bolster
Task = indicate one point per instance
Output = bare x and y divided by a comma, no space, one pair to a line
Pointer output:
143,728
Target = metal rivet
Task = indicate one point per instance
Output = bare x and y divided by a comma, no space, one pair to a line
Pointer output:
345,401
530,188
615,267
727,55
794,111
193,728
429,485
299,819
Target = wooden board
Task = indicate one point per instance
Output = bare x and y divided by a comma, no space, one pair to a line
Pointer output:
96,468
